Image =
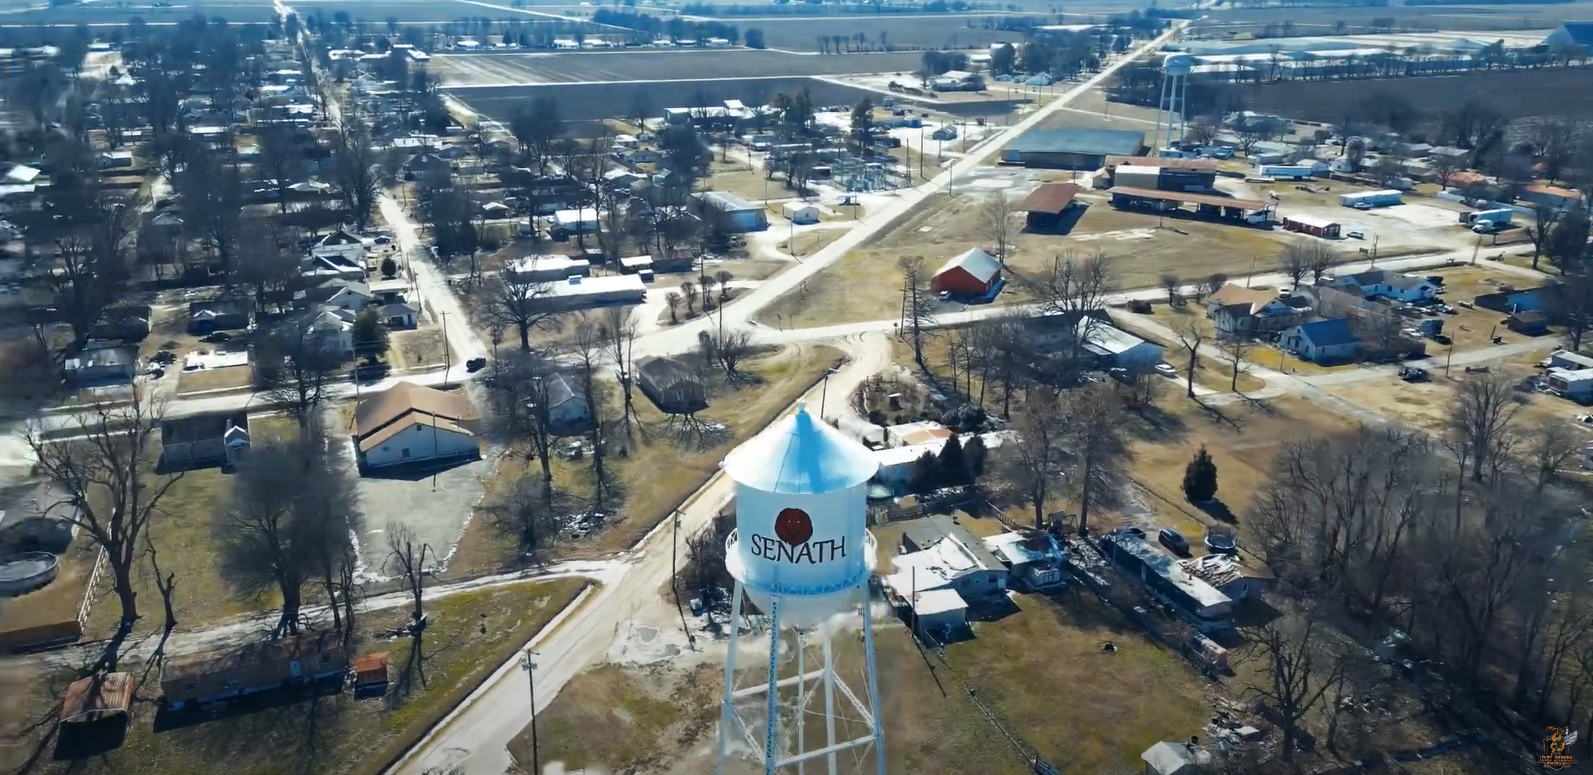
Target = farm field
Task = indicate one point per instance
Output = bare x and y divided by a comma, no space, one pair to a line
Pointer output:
258,11
591,101
1515,93
1450,17
485,70
952,31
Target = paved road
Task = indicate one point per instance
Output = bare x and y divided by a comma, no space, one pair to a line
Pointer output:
476,734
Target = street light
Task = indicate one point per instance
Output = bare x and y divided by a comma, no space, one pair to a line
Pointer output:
824,391
529,665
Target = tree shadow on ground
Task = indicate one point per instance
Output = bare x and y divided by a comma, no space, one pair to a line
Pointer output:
1159,425
1217,416
1217,510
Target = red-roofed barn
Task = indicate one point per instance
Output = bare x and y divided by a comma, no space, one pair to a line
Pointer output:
970,275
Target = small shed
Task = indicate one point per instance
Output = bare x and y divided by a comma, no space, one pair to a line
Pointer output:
370,675
800,213
1530,323
1046,204
971,274
106,697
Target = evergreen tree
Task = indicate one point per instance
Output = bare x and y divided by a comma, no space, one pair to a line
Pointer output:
953,463
1200,477
975,453
926,474
370,336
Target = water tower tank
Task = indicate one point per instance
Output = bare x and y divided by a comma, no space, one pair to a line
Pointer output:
801,519
1178,64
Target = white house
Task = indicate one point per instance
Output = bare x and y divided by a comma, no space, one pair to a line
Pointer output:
582,221
411,423
1321,341
398,314
342,243
342,294
1239,310
332,330
566,406
1381,282
800,212
1117,347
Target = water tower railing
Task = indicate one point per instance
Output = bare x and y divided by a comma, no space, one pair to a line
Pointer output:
870,548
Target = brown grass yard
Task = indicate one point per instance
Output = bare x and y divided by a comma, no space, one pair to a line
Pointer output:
866,283
659,473
417,349
469,636
59,600
205,380
184,535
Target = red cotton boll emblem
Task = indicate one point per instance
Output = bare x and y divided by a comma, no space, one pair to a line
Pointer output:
793,526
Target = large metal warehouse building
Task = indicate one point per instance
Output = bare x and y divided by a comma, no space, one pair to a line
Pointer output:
1071,149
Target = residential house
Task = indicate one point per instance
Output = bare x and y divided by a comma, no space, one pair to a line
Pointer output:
567,406
428,167
1115,348
331,330
196,679
1322,341
410,423
334,266
343,243
568,223
129,324
969,275
1034,558
939,568
399,315
346,295
1537,299
206,317
1376,283
671,385
203,440
100,365
621,178
1236,309
1161,572
732,212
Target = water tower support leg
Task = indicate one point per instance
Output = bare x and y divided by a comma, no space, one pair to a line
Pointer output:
802,702
726,710
829,701
772,728
873,681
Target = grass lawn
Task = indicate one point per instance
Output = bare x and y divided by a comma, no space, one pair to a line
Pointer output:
184,534
809,242
627,719
661,470
417,349
229,378
1243,439
470,635
682,315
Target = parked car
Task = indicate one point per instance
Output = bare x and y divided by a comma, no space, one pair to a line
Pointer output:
1355,234
1413,374
1166,370
1171,539
1221,543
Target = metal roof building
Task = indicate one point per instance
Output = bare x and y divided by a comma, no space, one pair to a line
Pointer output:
1071,148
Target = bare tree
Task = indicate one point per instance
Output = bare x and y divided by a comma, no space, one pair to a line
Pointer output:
518,393
281,161
99,482
356,169
673,300
293,368
916,314
1073,288
1237,349
1549,445
1445,166
995,223
1097,452
519,305
290,513
1171,283
1294,263
586,351
1214,282
1035,468
1299,668
525,511
1541,230
1480,421
407,559
1190,337
688,290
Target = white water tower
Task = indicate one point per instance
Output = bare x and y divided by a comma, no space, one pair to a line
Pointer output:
802,554
1171,119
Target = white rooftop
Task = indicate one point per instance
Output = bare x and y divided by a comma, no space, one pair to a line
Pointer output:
1314,221
543,264
596,286
938,601
799,455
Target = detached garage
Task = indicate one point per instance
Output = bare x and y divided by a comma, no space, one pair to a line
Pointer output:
970,275
800,213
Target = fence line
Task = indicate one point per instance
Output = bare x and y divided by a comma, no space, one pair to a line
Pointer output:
88,591
1030,755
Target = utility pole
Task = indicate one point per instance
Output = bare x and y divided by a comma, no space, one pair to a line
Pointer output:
530,667
674,574
1449,356
448,352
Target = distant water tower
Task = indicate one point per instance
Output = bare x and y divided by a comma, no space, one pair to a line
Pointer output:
802,554
1171,121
